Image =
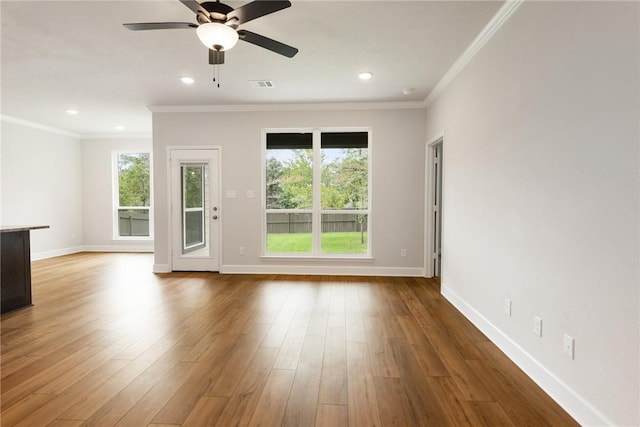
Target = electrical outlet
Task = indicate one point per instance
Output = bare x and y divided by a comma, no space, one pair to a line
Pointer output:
569,346
403,252
537,326
507,307
241,250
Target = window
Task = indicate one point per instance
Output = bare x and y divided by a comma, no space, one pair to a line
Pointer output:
132,195
194,181
317,193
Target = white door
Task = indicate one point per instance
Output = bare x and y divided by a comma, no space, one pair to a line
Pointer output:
195,210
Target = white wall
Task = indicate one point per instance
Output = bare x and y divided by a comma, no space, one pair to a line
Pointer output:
541,199
397,184
41,185
97,155
53,178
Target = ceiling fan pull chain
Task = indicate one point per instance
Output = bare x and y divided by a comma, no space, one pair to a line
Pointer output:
216,74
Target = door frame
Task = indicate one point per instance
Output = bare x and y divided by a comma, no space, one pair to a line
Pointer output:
429,214
218,244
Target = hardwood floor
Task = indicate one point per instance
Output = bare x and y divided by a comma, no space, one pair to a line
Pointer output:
110,343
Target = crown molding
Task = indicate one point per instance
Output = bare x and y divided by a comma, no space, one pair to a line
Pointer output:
481,39
50,129
90,136
233,108
38,126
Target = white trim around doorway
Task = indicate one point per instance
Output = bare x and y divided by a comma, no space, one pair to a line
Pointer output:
428,206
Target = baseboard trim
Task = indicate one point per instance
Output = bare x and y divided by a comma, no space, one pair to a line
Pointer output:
161,268
56,252
323,270
106,248
36,256
572,402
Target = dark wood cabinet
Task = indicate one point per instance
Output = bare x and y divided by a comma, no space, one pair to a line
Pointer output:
15,268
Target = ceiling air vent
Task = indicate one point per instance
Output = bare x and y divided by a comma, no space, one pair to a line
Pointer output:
262,83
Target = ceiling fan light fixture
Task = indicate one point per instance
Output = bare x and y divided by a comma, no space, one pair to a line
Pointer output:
216,34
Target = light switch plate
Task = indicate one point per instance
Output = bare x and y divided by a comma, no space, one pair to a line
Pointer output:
537,325
569,346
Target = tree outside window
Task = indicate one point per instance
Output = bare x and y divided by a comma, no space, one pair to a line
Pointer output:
133,194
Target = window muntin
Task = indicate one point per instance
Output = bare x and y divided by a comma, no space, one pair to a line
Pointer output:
132,195
324,216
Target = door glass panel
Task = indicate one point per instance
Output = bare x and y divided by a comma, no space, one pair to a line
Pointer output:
195,206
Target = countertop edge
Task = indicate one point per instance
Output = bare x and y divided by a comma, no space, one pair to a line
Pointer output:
16,228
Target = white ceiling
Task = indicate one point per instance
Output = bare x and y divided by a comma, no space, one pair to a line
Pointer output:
76,54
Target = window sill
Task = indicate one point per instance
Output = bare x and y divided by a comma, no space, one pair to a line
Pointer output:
328,258
133,238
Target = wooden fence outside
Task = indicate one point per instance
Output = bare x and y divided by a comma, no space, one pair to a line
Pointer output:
301,223
137,224
133,223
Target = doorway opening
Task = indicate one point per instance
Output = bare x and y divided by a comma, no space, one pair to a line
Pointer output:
433,207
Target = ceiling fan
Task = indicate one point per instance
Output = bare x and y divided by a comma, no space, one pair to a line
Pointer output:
218,23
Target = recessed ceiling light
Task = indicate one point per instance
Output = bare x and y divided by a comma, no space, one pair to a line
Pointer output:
119,127
365,75
71,111
187,80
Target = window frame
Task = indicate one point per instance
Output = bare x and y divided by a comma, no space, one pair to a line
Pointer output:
115,203
316,209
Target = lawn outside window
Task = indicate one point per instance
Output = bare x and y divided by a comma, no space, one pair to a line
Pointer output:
316,193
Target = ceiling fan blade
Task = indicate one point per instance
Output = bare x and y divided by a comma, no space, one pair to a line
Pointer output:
256,9
268,43
194,6
159,25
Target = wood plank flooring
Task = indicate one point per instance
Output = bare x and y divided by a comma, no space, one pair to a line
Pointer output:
110,343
